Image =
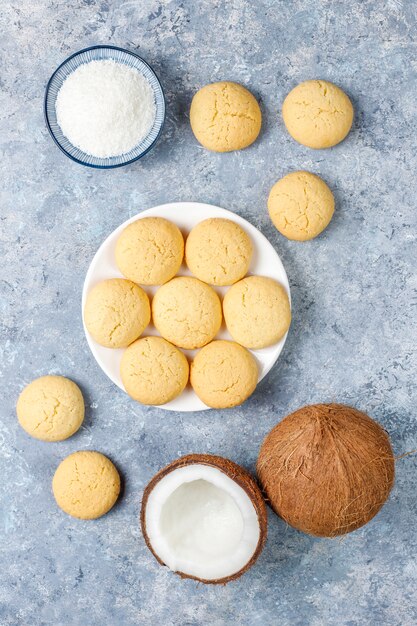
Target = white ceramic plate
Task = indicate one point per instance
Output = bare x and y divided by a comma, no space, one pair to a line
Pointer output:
265,262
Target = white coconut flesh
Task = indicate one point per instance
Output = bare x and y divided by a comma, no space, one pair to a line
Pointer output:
201,522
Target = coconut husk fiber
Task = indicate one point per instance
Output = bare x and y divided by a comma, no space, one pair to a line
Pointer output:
326,469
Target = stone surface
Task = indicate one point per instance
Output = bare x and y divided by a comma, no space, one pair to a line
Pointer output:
353,337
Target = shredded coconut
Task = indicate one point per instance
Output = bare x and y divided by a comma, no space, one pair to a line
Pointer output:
105,108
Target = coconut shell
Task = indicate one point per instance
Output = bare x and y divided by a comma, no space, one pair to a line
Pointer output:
241,477
326,469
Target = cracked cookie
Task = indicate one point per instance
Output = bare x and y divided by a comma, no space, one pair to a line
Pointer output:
317,114
257,312
154,371
116,312
223,374
150,251
225,116
187,312
300,205
218,251
51,408
86,484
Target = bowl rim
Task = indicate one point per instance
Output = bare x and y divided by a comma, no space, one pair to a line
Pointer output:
48,125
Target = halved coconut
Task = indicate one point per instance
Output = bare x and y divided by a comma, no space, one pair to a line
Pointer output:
205,518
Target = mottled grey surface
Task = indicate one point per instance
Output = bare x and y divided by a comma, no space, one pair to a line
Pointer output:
352,340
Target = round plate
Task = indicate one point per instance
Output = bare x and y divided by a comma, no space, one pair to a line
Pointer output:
101,53
265,262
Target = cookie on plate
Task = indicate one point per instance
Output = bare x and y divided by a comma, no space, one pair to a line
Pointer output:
225,116
154,371
218,251
116,312
150,251
223,374
86,484
187,312
317,114
257,312
301,205
51,408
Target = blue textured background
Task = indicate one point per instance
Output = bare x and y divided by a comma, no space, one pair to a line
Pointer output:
353,337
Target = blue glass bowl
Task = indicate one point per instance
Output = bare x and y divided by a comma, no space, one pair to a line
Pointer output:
99,53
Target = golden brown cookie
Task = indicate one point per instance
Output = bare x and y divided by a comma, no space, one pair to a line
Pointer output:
154,371
116,312
150,251
86,484
317,114
301,205
51,408
257,312
223,374
187,312
218,251
225,116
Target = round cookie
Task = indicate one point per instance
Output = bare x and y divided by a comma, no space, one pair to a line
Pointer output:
51,408
317,114
257,312
86,484
187,312
154,371
223,374
225,116
116,312
150,251
300,205
218,251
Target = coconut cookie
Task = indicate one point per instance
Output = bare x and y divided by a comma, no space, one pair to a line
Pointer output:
301,205
317,114
187,312
150,251
257,312
117,312
223,374
51,408
225,116
154,371
218,251
86,484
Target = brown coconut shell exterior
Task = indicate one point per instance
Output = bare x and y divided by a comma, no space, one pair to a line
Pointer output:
236,473
326,469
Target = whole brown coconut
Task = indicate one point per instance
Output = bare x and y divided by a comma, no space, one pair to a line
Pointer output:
326,469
